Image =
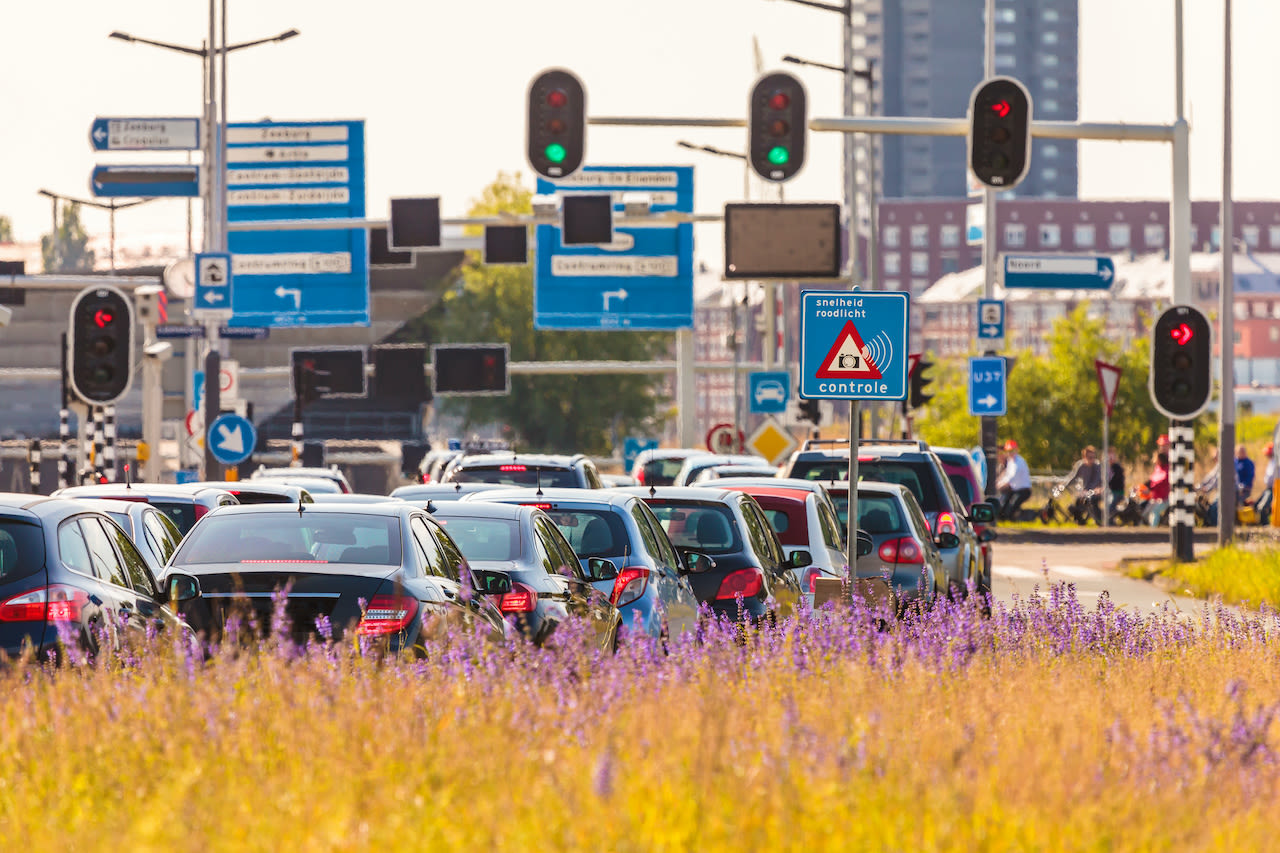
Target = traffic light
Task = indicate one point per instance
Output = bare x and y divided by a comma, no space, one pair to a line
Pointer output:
1000,132
1179,382
918,383
777,121
809,411
472,369
556,127
101,345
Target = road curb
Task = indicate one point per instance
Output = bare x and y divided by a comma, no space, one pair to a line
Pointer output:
1097,536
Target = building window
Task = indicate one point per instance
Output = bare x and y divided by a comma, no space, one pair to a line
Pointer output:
1274,334
919,263
950,264
892,284
1006,16
919,285
1241,311
1118,235
1052,311
1048,174
1004,60
1050,105
1006,38
1251,236
1049,37
1015,234
892,263
1215,236
1236,338
1050,84
1084,235
1259,309
1050,16
1050,235
1153,234
1273,236
889,235
949,236
1195,235
1049,150
1049,60
920,236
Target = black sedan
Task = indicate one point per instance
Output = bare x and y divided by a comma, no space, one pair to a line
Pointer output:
68,572
384,570
752,576
548,584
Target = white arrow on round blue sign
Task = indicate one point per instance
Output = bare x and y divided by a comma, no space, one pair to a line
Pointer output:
231,439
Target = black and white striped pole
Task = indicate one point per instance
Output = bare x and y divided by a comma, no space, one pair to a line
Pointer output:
65,455
33,459
98,443
109,443
1182,495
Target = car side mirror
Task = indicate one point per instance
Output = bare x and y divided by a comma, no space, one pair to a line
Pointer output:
696,564
946,540
982,513
800,559
987,535
600,569
490,582
183,588
865,544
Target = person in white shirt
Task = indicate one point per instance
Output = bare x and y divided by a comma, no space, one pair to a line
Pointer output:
1016,478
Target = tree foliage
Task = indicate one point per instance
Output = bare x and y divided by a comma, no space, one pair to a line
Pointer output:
67,248
1055,408
557,413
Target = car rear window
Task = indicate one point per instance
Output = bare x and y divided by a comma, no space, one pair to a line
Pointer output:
962,487
878,514
293,538
485,539
592,533
787,518
183,515
517,475
250,497
662,472
709,528
820,469
21,549
916,475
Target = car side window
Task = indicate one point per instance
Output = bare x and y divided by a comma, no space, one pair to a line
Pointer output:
72,549
561,546
105,562
135,567
829,525
452,557
428,549
651,546
592,475
156,536
759,532
666,553
543,550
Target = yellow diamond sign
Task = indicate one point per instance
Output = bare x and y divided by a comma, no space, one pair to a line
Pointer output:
772,442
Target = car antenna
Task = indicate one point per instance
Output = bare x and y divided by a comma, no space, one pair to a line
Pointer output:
431,507
457,487
653,490
537,472
300,507
128,480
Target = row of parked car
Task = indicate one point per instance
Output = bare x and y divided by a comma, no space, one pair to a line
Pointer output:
506,542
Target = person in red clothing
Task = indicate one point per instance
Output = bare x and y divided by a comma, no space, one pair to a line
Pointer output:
1159,488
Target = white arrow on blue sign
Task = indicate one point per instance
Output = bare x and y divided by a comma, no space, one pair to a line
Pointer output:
1059,272
990,319
987,395
145,134
231,439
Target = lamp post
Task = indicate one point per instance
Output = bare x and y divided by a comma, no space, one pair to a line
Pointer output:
111,205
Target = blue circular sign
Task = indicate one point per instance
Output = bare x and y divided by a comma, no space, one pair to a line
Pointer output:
231,439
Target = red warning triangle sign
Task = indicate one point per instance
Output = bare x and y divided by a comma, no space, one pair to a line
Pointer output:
848,358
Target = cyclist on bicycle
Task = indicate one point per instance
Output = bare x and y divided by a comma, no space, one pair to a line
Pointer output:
1087,473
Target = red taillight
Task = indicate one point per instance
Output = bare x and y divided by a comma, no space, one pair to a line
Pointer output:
947,523
744,582
811,577
629,585
521,599
640,476
512,468
57,603
902,550
387,614
201,511
543,507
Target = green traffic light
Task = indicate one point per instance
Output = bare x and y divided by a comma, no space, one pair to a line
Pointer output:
555,152
779,156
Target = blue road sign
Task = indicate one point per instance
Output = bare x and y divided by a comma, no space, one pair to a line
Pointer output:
769,392
633,447
853,345
213,283
145,134
145,181
174,330
231,439
987,386
1059,272
197,386
979,457
990,319
641,281
245,333
298,170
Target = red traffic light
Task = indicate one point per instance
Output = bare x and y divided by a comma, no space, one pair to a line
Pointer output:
557,98
779,101
1001,108
1182,334
102,318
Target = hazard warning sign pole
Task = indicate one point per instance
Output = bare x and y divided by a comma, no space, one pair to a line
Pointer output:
851,541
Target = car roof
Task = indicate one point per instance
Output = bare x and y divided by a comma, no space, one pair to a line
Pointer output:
355,498
782,492
597,497
532,460
35,506
426,491
482,509
288,471
774,482
137,490
260,485
384,508
670,452
680,493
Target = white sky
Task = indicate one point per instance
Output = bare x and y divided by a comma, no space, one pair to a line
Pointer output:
442,87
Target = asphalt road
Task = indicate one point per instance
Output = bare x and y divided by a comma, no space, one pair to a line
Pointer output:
1093,568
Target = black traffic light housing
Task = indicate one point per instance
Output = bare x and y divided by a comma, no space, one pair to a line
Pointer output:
777,123
470,369
1181,351
919,382
556,124
100,342
809,411
1000,132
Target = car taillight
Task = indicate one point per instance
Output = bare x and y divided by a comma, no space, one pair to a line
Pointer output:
201,511
57,603
521,599
640,476
811,577
629,585
744,582
512,468
387,614
902,550
947,523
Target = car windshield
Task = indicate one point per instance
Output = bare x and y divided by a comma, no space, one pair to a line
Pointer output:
662,472
485,539
248,496
21,549
517,475
293,537
592,532
709,528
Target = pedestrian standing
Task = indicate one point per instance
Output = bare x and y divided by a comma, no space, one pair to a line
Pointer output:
1244,474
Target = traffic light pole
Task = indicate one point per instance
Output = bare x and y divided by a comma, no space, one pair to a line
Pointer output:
989,429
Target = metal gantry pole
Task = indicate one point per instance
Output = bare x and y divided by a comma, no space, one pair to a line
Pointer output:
1226,315
989,428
